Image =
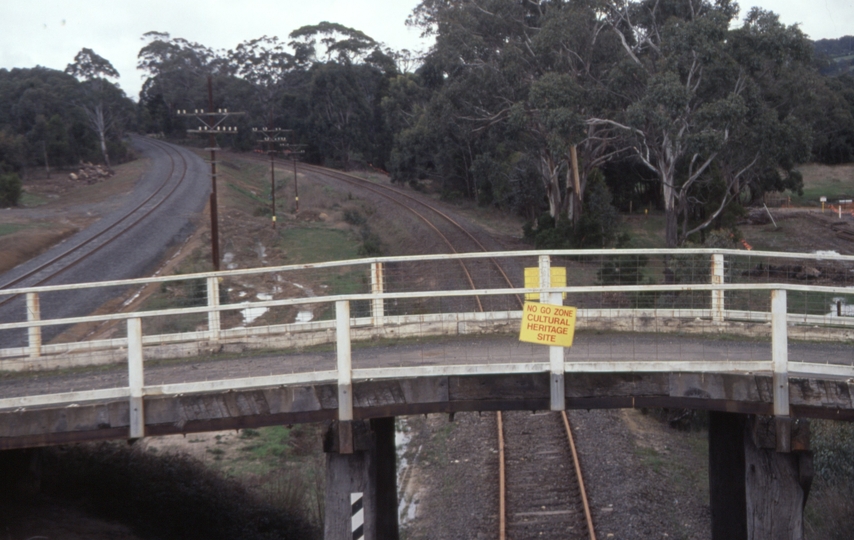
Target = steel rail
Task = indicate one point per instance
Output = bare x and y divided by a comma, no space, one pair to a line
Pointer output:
384,193
384,190
577,464
114,228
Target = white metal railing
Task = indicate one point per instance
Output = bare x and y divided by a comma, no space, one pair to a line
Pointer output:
135,347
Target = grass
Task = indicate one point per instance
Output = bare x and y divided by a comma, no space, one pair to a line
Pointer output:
8,228
651,459
315,244
647,231
29,200
833,182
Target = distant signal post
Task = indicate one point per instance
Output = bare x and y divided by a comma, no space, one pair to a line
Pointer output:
272,138
211,124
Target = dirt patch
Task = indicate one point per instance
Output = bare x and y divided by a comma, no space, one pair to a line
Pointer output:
55,208
799,231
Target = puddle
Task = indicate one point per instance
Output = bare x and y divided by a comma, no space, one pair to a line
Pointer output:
261,251
250,314
306,290
409,499
228,260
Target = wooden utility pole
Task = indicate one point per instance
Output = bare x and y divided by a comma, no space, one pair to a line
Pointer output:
211,125
272,138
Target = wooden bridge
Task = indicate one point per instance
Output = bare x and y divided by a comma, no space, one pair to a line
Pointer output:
733,332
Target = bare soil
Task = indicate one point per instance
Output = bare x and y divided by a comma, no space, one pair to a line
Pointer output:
55,208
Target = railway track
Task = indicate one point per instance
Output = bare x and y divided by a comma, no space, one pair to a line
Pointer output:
453,235
73,255
543,493
79,255
541,489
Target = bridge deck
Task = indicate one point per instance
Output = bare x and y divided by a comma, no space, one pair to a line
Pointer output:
253,407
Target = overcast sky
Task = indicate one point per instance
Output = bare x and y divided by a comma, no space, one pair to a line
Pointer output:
50,32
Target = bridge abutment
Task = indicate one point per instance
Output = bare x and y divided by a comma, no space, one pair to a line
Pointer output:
361,480
756,491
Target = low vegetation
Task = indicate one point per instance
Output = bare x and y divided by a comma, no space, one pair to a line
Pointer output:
165,495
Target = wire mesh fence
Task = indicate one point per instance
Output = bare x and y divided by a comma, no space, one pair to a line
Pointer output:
453,310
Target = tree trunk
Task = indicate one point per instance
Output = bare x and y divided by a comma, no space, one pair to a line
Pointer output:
671,226
551,182
575,196
46,164
101,128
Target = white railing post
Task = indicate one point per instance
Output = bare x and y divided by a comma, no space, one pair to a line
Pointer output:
717,296
213,303
545,277
780,352
345,376
780,360
34,333
377,304
136,379
556,354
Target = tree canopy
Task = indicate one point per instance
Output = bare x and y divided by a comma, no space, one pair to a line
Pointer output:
685,104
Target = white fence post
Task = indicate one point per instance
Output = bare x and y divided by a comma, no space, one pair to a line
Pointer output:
545,277
135,378
377,304
345,376
717,296
556,356
34,333
780,352
213,303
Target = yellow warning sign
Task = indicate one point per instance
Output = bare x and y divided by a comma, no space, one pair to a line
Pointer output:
532,280
548,324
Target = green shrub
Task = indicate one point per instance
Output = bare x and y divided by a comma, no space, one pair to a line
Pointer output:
10,189
598,227
372,245
173,496
354,217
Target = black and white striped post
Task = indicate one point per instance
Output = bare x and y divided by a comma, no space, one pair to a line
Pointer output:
357,515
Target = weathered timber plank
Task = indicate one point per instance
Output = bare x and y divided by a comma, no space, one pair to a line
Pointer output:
239,422
820,393
79,418
503,387
408,391
180,410
755,388
582,385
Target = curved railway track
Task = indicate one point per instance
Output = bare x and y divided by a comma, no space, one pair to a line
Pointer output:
453,235
541,493
120,245
72,256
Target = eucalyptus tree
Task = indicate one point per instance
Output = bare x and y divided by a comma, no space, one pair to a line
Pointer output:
347,75
102,100
267,65
532,71
702,95
175,71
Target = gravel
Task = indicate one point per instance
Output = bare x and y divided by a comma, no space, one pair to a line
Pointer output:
644,480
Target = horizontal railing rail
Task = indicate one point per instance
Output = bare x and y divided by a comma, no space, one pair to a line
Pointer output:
722,289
